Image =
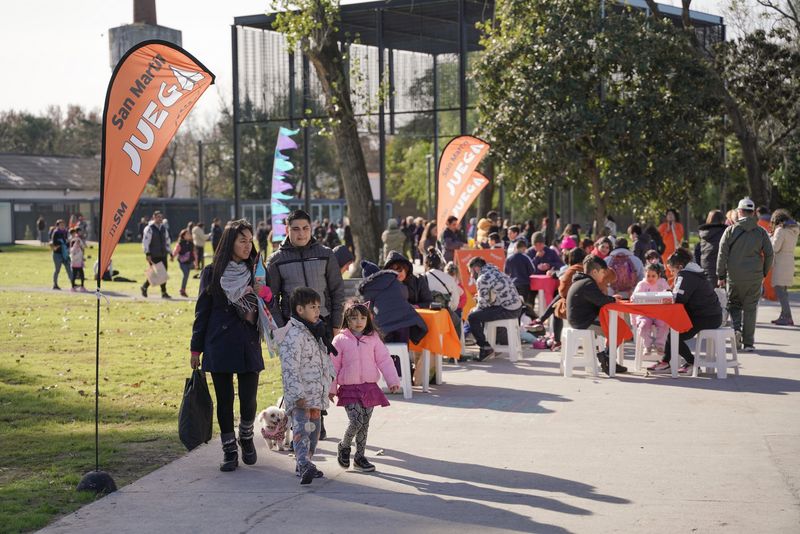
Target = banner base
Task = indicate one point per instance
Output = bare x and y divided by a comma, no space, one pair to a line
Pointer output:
99,482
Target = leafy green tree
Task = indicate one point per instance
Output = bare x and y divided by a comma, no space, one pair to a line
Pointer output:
313,24
756,78
567,96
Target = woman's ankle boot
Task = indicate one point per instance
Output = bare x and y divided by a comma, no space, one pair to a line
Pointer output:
230,456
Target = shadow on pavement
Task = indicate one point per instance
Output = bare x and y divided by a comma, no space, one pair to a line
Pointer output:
487,398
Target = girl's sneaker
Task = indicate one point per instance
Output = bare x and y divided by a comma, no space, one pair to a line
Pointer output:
360,463
343,456
74,289
659,366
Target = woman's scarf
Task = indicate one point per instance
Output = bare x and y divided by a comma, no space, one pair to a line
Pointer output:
319,331
236,283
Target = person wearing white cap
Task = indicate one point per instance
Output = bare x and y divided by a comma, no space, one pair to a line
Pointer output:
745,257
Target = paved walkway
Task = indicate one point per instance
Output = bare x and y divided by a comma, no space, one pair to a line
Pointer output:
507,447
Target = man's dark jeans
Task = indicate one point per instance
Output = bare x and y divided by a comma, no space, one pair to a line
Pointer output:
479,316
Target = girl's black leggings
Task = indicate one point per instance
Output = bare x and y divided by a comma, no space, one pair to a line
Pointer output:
223,386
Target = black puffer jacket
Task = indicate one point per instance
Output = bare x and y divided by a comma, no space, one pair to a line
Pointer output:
706,251
419,294
388,302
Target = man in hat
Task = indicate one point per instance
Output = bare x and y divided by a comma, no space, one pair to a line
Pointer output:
745,257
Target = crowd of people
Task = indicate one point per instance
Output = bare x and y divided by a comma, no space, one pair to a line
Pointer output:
331,349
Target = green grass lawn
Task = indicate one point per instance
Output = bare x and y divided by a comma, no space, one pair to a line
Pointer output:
47,376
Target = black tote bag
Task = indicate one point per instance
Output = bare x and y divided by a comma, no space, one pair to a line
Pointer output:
196,414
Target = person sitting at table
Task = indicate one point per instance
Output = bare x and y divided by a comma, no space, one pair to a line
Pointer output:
496,299
653,332
444,288
388,301
584,300
419,294
520,268
694,291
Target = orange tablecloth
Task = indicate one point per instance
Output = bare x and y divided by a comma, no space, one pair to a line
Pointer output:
546,283
441,337
673,314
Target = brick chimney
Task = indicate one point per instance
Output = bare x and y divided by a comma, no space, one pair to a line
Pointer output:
144,12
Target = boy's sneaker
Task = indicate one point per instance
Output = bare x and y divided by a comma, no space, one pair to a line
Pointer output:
360,463
748,348
659,366
309,473
319,474
485,353
343,456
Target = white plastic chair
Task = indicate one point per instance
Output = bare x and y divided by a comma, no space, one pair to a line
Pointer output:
639,352
572,340
401,351
514,346
711,351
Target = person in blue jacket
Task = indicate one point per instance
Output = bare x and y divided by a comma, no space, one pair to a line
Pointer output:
226,333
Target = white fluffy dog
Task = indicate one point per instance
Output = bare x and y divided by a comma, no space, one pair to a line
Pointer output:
275,427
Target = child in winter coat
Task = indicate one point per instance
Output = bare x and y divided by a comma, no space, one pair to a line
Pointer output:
307,372
76,247
654,332
362,358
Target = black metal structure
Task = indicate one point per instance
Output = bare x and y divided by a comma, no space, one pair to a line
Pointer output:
421,49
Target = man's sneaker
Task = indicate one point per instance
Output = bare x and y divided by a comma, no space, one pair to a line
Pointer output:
56,288
748,348
685,368
183,293
249,455
343,456
165,296
362,464
659,366
485,353
739,342
784,322
309,473
144,291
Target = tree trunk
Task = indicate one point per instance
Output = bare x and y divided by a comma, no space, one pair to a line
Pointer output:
328,64
598,196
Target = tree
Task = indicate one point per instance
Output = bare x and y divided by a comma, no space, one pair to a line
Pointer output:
615,103
756,77
313,25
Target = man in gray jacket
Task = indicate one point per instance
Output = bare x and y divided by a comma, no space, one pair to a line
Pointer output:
745,257
301,261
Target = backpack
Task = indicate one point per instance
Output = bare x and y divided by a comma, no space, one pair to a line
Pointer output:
623,267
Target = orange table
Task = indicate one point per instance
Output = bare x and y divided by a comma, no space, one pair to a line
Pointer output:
441,340
673,314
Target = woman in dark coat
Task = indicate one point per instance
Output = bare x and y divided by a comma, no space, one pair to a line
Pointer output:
388,298
707,250
418,292
226,333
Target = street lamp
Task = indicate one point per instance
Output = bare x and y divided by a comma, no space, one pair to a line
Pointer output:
429,158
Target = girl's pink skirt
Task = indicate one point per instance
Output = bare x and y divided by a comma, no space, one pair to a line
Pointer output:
367,395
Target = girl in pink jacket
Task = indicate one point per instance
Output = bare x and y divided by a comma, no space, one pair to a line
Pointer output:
362,358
